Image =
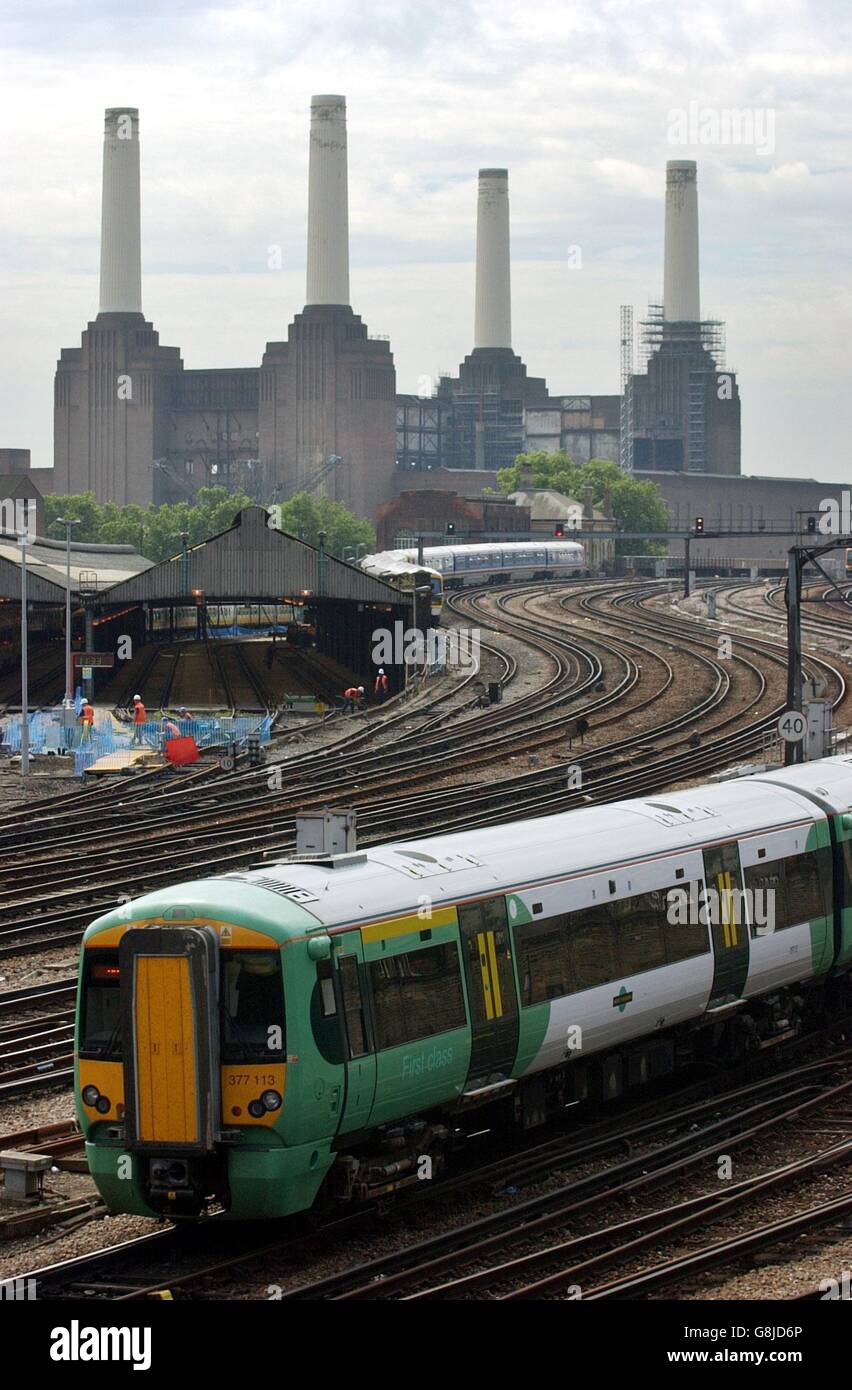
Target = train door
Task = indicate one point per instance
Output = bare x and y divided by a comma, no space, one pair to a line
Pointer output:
359,1058
486,948
730,927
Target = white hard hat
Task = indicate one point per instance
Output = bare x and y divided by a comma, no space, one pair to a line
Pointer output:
381,670
361,688
137,697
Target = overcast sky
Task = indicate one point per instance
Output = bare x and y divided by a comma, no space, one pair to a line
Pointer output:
579,100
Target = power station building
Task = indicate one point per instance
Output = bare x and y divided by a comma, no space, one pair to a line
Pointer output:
132,425
321,410
682,415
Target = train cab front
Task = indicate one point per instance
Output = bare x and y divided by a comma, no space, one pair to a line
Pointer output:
181,1063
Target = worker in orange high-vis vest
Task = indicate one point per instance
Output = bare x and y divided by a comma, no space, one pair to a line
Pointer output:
380,689
139,717
87,719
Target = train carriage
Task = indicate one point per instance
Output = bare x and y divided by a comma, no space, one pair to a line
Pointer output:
461,566
254,1040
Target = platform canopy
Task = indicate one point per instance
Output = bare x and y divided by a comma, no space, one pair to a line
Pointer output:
94,568
252,561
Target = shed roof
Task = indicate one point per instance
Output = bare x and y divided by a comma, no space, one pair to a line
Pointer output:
93,567
253,560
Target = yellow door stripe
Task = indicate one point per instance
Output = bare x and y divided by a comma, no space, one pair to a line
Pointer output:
486,981
726,908
723,907
495,978
166,1082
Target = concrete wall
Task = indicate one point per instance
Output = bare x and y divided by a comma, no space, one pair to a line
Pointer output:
740,503
111,410
330,389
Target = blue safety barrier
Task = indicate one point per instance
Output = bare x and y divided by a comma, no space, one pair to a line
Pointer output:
48,734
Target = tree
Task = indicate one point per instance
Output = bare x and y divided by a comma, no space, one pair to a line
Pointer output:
305,515
636,506
156,531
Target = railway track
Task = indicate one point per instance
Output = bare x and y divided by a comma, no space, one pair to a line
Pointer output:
657,1146
492,1255
36,1053
183,828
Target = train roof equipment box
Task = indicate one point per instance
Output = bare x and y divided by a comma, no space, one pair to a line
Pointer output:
328,833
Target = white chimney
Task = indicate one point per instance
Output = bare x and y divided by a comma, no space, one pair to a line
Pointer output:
493,327
681,300
328,204
121,252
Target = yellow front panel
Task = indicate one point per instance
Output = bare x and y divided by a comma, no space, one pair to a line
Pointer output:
167,1099
109,1079
244,1082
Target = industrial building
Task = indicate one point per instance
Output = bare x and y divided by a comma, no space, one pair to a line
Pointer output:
132,425
321,411
682,414
480,420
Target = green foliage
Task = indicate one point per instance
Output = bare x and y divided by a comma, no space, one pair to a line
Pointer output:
305,515
156,531
636,506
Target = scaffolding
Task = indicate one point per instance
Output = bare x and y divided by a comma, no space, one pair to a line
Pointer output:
690,355
705,335
486,430
627,364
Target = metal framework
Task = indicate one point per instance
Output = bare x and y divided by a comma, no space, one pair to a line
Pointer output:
692,353
419,432
627,366
798,556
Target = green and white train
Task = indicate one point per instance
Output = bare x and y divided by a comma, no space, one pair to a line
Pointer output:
312,1030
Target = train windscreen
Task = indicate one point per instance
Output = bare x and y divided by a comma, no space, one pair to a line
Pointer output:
100,1024
252,1006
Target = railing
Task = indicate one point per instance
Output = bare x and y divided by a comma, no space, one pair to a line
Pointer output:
48,735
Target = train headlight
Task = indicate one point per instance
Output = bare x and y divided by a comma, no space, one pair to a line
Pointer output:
256,1108
91,1095
271,1100
103,1105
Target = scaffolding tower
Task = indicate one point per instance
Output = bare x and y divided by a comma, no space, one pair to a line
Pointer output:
627,364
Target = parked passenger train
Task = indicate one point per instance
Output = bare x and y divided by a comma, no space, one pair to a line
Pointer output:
261,1039
485,563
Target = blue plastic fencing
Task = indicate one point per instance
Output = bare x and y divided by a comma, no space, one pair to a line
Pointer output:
242,630
48,735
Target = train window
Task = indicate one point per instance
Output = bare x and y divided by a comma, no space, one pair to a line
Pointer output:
100,1026
592,946
846,846
805,896
795,886
326,989
542,961
685,935
353,1006
417,994
598,945
252,1006
639,923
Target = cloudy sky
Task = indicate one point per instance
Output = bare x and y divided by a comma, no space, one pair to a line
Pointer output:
582,101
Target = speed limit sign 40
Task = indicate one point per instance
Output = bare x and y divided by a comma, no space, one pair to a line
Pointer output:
792,726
